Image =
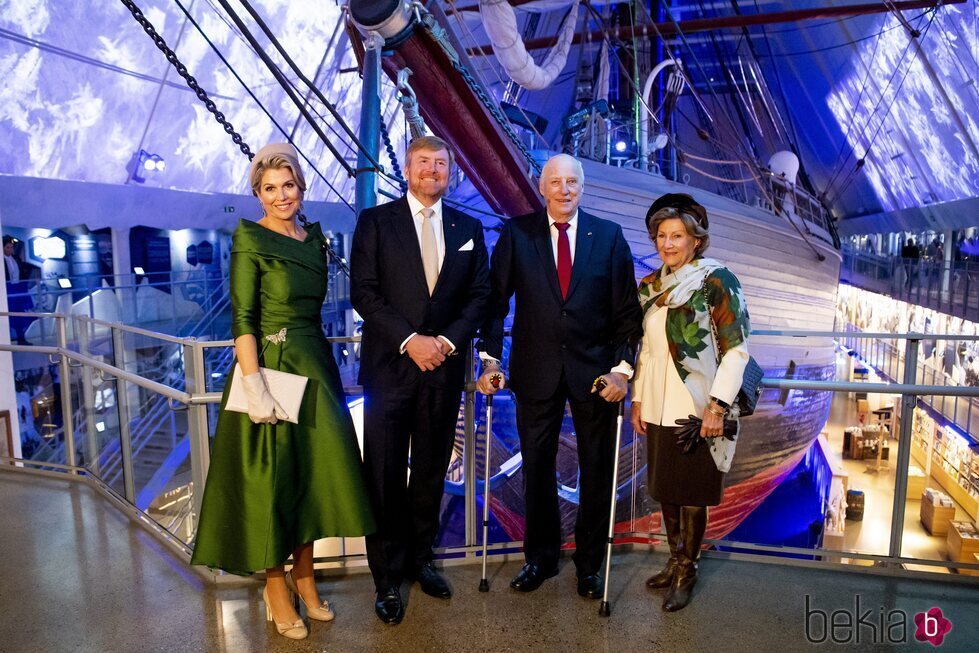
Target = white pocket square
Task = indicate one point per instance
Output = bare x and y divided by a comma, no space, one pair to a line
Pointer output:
467,247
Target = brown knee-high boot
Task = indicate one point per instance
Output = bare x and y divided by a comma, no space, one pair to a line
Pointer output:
671,520
693,524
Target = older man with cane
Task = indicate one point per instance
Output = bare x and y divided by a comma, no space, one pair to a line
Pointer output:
576,320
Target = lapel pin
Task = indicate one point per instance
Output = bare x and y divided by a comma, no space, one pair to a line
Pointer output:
589,233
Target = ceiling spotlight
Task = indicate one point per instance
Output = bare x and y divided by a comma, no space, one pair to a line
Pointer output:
620,146
148,162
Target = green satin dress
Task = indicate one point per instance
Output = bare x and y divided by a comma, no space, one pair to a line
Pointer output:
271,488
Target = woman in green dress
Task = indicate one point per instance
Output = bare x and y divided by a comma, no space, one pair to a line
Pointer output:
274,487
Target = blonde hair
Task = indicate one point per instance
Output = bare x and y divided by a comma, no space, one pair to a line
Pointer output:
277,162
690,223
430,143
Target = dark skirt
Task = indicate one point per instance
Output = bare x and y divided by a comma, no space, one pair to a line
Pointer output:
678,478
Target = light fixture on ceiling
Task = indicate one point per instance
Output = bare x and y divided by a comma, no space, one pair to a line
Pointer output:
147,162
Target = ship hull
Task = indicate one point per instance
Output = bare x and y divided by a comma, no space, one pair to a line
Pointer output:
786,287
789,279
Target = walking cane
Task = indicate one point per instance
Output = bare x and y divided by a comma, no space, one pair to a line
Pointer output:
604,609
495,380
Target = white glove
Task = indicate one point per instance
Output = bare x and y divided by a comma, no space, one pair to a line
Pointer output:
262,407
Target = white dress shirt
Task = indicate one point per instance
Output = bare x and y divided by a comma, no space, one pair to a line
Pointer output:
623,367
572,234
416,207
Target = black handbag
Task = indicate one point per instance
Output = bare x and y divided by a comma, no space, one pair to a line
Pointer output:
750,390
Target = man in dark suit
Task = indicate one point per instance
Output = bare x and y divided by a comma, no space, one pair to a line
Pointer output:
420,280
576,318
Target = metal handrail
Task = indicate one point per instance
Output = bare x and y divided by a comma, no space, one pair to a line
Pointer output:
195,399
135,379
131,329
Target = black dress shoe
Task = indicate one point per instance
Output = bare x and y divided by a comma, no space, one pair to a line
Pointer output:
591,586
432,582
531,577
389,607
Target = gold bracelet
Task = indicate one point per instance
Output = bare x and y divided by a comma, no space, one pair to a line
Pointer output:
710,408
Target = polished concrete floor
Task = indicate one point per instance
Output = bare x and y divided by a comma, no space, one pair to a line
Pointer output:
79,576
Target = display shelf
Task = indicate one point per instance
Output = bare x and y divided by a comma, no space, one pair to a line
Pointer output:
963,544
916,482
935,518
954,490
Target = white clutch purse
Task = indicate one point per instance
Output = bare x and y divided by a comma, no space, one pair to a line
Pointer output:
287,390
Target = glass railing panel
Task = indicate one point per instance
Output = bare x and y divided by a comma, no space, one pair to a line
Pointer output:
95,421
179,499
814,470
39,416
218,363
943,491
161,461
37,331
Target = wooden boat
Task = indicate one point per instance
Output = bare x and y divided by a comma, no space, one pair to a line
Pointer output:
788,266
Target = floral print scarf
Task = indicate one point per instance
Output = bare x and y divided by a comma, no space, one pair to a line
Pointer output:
688,329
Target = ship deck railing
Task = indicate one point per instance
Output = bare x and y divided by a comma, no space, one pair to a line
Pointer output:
162,489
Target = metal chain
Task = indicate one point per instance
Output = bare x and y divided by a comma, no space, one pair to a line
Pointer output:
438,34
389,146
191,82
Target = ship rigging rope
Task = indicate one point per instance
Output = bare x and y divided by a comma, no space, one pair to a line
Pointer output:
856,107
827,48
439,36
464,27
212,108
695,157
383,174
750,165
880,125
966,79
745,180
683,37
500,24
261,106
302,77
409,104
187,77
286,84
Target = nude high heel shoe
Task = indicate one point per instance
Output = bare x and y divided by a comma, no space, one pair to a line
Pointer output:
319,613
294,630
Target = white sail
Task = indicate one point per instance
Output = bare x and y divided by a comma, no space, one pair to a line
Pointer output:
500,23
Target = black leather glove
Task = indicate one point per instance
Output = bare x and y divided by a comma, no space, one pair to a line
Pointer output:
688,433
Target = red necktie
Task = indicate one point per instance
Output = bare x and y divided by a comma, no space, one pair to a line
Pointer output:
563,257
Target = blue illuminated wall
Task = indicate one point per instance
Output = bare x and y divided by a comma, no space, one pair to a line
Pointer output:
926,139
80,84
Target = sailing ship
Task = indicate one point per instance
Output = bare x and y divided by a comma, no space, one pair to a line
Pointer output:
778,241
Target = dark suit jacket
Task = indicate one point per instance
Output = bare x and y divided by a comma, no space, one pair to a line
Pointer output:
583,336
389,291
